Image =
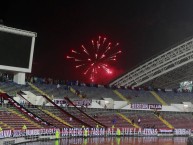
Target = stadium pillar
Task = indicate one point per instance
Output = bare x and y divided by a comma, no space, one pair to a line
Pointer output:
19,78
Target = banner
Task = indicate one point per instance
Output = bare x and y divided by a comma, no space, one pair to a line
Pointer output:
79,132
60,101
155,106
165,130
146,106
82,102
5,133
139,131
182,131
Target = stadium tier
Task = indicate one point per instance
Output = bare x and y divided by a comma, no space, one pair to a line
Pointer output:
64,109
139,96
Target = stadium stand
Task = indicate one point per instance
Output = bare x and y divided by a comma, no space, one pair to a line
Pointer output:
96,92
136,96
179,119
53,121
73,115
175,98
59,92
148,119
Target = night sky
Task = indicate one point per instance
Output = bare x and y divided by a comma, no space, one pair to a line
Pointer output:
143,29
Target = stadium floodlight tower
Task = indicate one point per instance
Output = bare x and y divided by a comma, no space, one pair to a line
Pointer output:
16,52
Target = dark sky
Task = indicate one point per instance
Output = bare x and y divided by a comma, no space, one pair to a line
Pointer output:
142,27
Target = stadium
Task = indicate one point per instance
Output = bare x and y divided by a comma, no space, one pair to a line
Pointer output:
96,72
150,102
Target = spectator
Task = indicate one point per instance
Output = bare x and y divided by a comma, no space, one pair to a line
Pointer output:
139,121
97,126
113,126
156,113
95,116
58,86
83,126
114,120
24,127
153,126
43,105
77,92
132,121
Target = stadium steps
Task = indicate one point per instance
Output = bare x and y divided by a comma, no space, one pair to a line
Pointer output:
74,92
159,98
1,91
25,118
39,90
5,126
121,96
56,117
165,122
128,120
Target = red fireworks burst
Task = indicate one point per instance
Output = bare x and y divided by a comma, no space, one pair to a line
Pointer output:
95,57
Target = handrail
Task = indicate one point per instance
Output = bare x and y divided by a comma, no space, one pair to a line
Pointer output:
62,110
85,113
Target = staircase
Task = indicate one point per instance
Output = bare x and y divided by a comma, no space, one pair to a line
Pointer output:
128,120
38,90
159,98
1,91
74,92
121,96
5,126
56,117
165,122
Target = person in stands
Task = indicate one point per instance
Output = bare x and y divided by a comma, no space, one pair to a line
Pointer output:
97,126
132,121
139,121
1,129
114,120
24,127
83,127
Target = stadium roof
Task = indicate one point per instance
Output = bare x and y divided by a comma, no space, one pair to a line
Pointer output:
166,70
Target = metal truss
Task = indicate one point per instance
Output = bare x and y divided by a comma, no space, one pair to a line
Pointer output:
158,66
173,78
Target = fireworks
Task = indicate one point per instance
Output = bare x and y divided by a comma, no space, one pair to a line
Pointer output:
96,57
